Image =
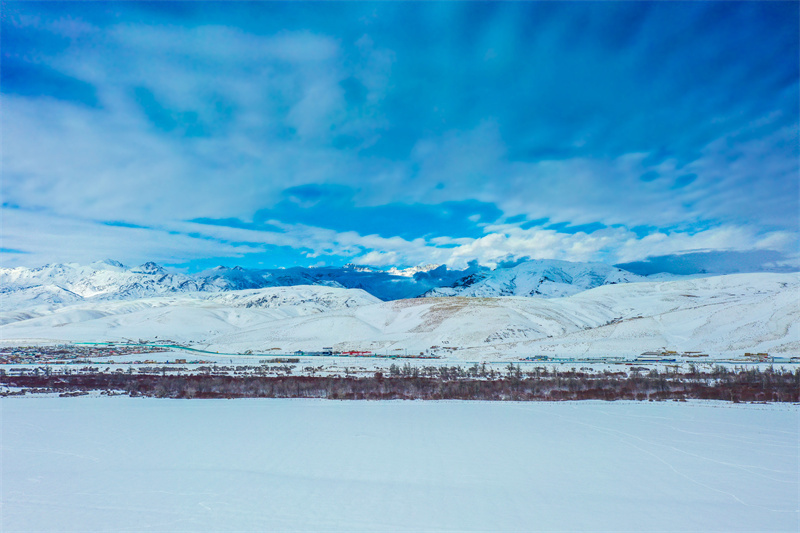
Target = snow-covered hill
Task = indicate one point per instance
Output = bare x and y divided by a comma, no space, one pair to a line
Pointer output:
724,315
109,280
189,317
64,283
60,284
544,278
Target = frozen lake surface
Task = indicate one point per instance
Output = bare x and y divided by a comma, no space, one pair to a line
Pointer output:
134,464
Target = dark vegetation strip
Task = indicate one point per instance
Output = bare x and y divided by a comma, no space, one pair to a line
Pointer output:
751,385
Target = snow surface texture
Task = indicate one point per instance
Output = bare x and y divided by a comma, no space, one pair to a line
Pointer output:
109,280
724,315
127,464
182,318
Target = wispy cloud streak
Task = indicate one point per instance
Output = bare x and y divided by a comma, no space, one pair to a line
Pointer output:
450,132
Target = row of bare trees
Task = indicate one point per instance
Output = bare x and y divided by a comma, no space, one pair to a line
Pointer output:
437,383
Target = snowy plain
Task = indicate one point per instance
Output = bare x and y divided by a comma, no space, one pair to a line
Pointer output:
133,464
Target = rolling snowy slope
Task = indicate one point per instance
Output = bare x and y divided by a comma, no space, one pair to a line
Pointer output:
190,317
724,315
721,315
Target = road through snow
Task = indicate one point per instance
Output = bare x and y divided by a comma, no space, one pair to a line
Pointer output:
126,464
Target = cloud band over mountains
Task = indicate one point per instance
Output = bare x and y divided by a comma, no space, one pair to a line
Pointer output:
298,134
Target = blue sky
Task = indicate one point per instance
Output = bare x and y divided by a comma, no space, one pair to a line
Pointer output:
400,133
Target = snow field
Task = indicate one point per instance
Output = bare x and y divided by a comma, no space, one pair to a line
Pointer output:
121,464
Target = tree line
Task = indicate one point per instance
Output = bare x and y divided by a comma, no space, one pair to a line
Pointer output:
437,383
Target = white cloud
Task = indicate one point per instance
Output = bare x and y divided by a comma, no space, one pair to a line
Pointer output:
56,239
738,181
733,238
379,259
272,106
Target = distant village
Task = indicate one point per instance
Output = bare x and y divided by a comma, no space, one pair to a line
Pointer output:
79,354
85,353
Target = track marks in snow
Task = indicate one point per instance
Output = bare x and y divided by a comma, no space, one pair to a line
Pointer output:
653,448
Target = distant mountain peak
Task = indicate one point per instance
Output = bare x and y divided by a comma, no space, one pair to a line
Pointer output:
149,268
358,268
537,278
111,263
109,280
409,272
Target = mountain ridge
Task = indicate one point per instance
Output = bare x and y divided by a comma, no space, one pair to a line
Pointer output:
63,283
722,315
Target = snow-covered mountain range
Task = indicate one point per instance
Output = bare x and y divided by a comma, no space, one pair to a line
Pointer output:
723,315
534,307
109,280
544,278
